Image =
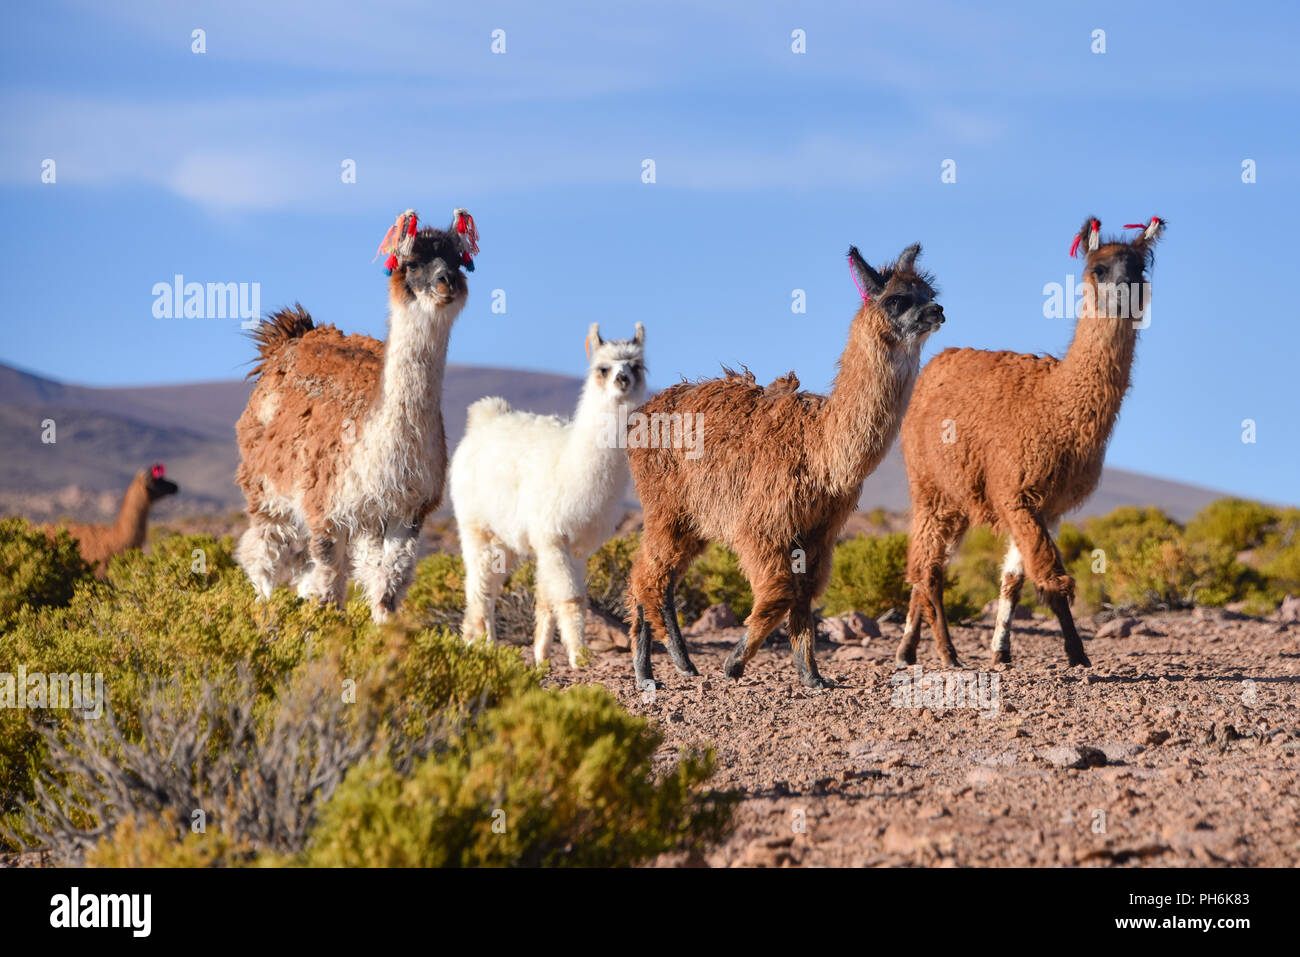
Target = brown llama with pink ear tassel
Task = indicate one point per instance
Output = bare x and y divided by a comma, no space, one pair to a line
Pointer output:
1015,441
99,543
774,473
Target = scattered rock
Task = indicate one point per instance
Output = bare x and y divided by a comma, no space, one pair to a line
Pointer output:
1117,628
1157,738
861,626
1076,756
1121,751
850,653
604,632
1289,611
836,629
1211,613
891,616
715,618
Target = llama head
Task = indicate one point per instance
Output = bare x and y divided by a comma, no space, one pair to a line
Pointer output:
155,482
899,293
617,366
428,265
1115,269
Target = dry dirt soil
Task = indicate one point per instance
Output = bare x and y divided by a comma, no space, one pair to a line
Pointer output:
1179,747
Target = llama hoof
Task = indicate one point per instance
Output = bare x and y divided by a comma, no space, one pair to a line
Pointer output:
904,661
733,669
1080,661
689,671
1002,657
649,684
818,684
955,664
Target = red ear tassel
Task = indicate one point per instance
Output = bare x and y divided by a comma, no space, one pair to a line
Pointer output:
1074,246
410,228
391,263
468,231
158,471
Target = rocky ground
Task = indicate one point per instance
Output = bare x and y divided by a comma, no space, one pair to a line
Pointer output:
1179,747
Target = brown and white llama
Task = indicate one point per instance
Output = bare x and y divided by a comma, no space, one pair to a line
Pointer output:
774,473
342,442
99,543
1015,441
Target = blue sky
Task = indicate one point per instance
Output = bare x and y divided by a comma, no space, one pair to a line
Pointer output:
225,167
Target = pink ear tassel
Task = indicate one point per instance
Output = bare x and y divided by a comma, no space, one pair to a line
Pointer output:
158,471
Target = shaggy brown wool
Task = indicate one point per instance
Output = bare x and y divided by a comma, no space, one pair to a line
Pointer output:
1014,441
99,543
779,473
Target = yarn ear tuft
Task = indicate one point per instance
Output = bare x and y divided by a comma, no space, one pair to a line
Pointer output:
467,233
1093,229
158,471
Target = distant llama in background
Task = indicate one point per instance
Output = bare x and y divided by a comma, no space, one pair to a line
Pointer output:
99,543
525,484
342,443
779,473
1015,441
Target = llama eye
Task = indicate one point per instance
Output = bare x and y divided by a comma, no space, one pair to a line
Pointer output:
603,370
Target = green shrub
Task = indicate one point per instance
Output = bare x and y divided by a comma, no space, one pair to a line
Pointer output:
35,570
546,779
869,574
184,615
1236,523
437,593
608,571
715,579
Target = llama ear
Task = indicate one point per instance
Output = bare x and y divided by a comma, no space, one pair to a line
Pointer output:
639,337
1151,231
868,281
907,261
1089,237
594,341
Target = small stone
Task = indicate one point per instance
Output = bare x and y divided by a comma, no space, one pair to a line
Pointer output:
715,618
1076,756
1117,628
862,626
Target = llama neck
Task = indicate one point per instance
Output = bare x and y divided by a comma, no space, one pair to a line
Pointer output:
1094,376
592,450
132,518
862,414
415,357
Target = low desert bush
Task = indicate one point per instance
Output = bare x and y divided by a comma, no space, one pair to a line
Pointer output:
545,779
714,579
35,570
869,574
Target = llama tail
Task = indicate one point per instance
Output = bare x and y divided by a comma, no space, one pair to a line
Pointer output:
277,329
486,408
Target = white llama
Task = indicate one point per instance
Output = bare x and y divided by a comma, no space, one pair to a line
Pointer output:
342,447
534,485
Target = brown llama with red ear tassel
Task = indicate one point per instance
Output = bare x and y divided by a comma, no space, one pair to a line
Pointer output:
99,543
342,447
1015,441
774,472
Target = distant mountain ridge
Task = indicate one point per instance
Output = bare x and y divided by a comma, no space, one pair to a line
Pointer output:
104,435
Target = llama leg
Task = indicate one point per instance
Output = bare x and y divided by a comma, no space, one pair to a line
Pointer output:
675,644
771,603
1043,563
397,568
640,639
321,581
259,554
933,538
906,653
559,578
1013,579
543,628
937,619
476,552
803,635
